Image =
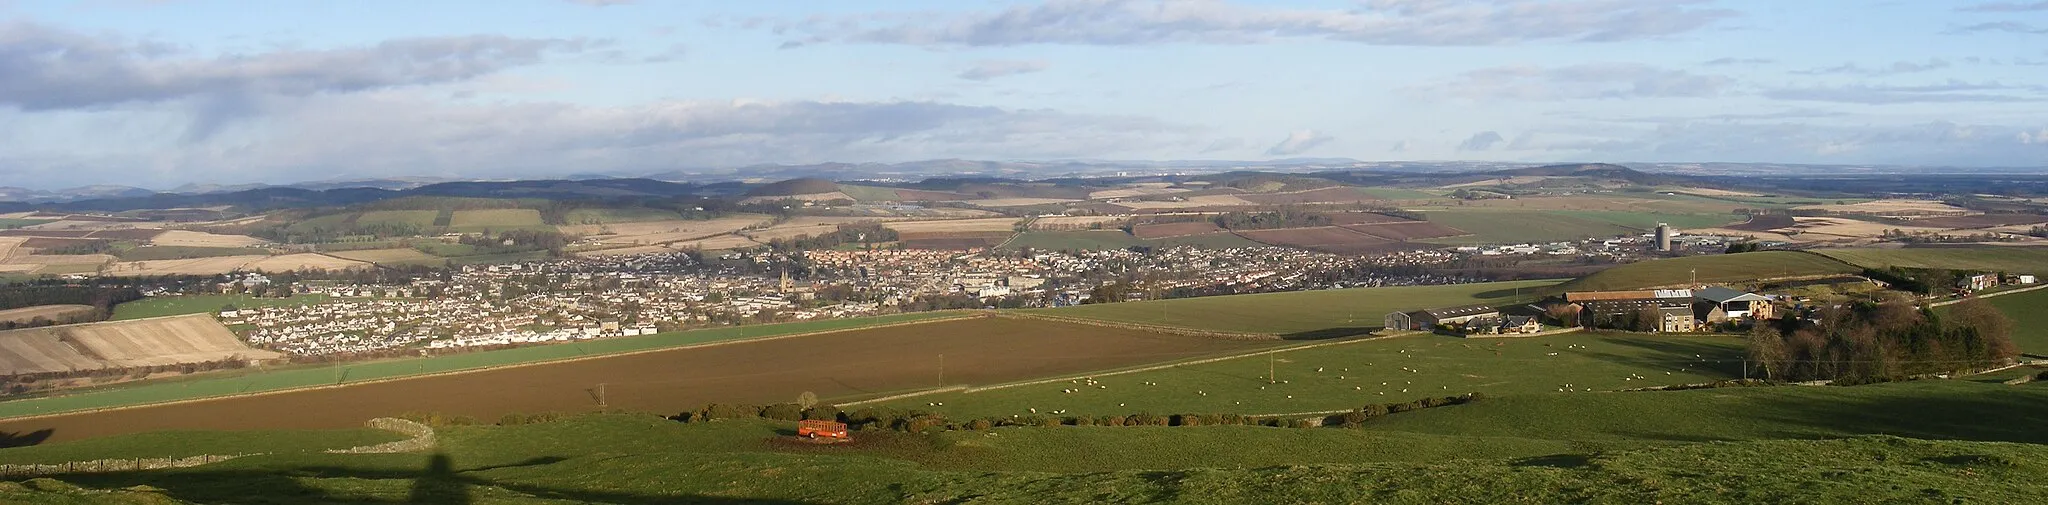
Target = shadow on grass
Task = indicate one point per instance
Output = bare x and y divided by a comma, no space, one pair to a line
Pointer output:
438,483
1983,413
24,438
1329,333
1723,359
1555,461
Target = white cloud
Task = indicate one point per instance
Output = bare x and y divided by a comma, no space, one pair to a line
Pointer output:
1384,22
2005,7
1589,81
990,69
1481,141
2039,137
1897,67
1299,141
1949,92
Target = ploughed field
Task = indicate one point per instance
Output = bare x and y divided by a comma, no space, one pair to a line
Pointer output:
836,366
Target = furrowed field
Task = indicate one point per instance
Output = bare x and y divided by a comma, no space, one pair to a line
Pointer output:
844,365
1996,259
1301,314
1348,375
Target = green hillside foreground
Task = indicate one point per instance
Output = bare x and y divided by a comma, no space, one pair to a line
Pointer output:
2012,259
1767,445
2029,312
1330,312
1391,370
246,381
1712,269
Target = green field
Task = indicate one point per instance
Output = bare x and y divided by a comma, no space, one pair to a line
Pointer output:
2029,312
180,444
1333,312
250,381
1345,376
155,253
202,304
1717,268
618,215
1722,445
1397,194
1101,240
495,220
1990,259
6,224
422,219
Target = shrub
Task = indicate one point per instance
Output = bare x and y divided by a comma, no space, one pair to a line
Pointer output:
1212,420
1355,417
783,412
730,411
923,423
1404,407
1433,402
511,420
1308,423
980,425
1155,420
1049,422
1082,421
1273,422
1473,397
1186,420
1029,421
825,412
1111,421
1231,419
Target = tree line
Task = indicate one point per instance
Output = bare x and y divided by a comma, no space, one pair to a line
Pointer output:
1875,341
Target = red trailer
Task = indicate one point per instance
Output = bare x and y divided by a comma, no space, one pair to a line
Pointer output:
815,429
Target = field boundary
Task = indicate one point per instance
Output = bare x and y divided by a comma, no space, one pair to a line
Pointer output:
1992,295
482,369
1123,371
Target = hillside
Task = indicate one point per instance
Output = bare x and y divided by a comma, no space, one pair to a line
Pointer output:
1992,259
1713,269
794,187
1300,314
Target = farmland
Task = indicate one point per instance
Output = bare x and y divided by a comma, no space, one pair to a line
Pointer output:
50,312
120,344
2030,328
1722,268
202,304
398,256
1096,240
495,219
1330,239
1301,313
419,219
202,239
1345,375
668,231
2017,259
861,363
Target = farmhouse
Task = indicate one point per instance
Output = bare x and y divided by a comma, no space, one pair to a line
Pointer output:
1718,304
1676,310
1431,318
1978,282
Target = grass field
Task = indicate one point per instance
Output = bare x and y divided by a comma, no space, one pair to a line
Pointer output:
1099,240
1719,268
159,253
202,304
2029,311
180,444
423,219
1533,449
2001,259
249,381
869,193
619,215
400,256
18,223
495,220
1333,312
1397,194
1345,376
1512,226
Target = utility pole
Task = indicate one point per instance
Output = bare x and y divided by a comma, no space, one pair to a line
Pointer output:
942,370
600,394
1272,370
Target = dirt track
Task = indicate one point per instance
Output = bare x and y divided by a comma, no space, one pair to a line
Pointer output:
841,366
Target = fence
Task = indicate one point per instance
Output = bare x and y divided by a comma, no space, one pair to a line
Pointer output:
114,465
422,438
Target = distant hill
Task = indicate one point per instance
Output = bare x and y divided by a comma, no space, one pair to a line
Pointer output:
793,187
1586,170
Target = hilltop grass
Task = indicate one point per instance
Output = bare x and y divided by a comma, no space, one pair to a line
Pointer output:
870,193
1350,375
1719,268
1991,259
203,304
2029,312
496,220
643,459
1301,314
1100,240
181,444
423,219
619,215
253,381
1507,225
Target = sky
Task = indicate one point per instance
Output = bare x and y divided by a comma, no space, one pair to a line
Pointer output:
159,93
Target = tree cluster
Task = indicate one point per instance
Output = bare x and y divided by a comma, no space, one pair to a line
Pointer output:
1285,218
1883,341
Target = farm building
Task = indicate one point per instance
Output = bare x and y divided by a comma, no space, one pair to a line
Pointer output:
1978,282
1717,304
1431,318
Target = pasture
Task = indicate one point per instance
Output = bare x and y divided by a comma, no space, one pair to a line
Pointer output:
663,232
420,219
399,256
202,239
619,215
2014,259
1745,268
1892,207
304,261
197,266
1301,314
2029,312
164,252
495,219
1386,370
844,365
202,304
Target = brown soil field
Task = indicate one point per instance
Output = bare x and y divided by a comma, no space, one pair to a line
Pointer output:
625,251
840,366
920,195
1165,230
203,239
1133,192
1614,203
1412,230
1325,195
717,243
54,242
1851,228
45,233
1766,222
1712,192
1192,203
389,256
989,225
290,262
1326,238
127,234
52,312
1347,218
1018,202
812,197
1981,221
1074,222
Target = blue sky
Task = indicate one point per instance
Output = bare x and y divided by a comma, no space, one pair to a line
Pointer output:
158,93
